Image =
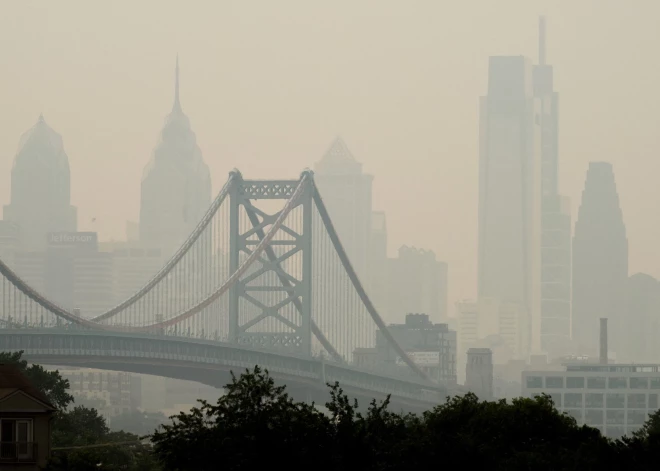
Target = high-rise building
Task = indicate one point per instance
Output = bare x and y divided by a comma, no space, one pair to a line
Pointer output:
510,191
346,192
639,338
40,187
378,262
490,318
556,217
600,261
132,267
77,275
9,240
176,184
417,283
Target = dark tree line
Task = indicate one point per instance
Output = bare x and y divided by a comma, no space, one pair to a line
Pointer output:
257,425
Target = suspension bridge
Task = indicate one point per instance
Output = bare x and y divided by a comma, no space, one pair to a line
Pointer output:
262,280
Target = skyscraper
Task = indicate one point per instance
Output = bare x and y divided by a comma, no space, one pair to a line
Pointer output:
176,184
417,282
600,260
346,192
510,191
556,217
642,326
40,187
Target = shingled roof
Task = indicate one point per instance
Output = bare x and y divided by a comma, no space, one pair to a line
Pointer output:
12,379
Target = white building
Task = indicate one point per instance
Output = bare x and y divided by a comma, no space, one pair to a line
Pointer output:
510,191
616,399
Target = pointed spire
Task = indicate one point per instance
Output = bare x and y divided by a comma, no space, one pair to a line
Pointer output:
177,103
542,40
338,152
41,118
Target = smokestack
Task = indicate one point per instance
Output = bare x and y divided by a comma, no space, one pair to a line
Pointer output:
603,341
542,40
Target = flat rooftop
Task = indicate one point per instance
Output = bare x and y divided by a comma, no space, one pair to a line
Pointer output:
615,368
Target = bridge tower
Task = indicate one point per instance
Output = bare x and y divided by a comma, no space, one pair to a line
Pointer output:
270,305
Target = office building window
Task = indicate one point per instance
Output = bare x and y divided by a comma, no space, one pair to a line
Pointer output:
637,401
534,381
617,383
597,382
639,383
572,400
574,383
593,417
594,400
554,382
615,401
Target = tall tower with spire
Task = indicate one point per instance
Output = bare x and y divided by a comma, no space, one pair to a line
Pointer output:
555,216
346,191
176,183
509,268
40,187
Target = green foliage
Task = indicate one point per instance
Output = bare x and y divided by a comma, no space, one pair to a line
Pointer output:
256,424
50,383
83,427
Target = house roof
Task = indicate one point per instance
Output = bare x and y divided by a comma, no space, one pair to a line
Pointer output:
12,380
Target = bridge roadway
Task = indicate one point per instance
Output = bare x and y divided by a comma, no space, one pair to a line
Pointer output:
211,362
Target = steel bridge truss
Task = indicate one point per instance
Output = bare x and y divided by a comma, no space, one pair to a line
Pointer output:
270,306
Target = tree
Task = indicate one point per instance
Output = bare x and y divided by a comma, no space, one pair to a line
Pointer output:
50,383
80,432
256,424
252,425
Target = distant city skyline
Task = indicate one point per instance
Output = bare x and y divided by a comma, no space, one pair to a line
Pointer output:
270,109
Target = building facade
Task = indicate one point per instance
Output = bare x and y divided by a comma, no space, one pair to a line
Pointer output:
431,346
110,392
555,328
133,265
176,184
509,267
346,192
639,338
616,399
479,373
600,261
417,282
40,200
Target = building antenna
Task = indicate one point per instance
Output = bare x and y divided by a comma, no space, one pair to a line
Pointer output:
542,40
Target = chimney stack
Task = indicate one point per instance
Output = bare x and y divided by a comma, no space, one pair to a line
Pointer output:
603,341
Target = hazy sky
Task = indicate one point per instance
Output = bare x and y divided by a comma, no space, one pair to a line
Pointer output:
268,84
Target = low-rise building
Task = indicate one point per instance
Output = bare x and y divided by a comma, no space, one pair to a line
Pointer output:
432,347
25,422
110,392
616,399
